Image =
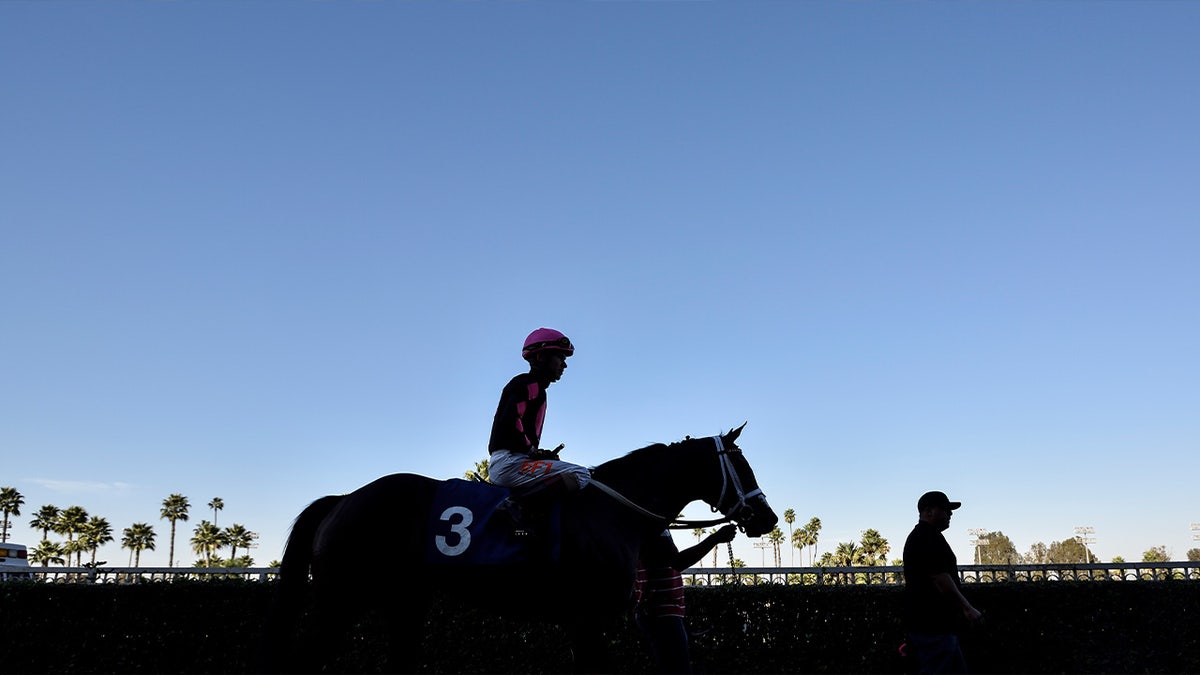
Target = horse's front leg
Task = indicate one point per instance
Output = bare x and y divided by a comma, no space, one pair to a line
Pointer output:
589,648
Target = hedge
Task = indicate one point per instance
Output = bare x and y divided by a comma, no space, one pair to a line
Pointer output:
214,627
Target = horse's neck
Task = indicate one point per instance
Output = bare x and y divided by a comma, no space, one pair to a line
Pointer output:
663,481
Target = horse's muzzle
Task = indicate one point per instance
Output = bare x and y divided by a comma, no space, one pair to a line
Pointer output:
756,517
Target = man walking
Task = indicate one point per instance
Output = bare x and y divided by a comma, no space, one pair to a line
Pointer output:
935,608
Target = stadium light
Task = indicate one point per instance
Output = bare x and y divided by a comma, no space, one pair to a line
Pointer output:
1082,533
978,541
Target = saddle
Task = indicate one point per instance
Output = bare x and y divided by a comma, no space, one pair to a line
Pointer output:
478,523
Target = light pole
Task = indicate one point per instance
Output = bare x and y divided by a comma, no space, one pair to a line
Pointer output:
764,545
978,541
1082,535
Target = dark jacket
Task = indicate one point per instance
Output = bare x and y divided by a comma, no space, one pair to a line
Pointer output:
517,426
927,553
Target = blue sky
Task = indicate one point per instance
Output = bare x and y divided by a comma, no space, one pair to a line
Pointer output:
268,251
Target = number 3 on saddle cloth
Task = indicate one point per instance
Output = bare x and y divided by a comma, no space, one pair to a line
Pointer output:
465,529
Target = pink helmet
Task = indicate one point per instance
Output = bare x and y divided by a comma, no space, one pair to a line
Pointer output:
546,338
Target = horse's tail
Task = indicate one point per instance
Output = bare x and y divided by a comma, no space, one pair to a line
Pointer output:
298,554
288,603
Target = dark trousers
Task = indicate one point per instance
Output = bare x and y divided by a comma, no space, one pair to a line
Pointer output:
668,641
937,652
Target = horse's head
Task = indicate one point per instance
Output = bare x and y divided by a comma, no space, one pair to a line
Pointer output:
740,497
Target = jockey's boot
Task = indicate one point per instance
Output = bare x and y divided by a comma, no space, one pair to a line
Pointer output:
530,510
516,517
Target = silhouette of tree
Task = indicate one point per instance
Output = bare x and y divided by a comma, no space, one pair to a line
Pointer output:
46,553
174,508
217,504
999,550
480,472
874,548
206,539
45,519
1158,554
70,522
789,517
10,504
96,533
137,538
1067,551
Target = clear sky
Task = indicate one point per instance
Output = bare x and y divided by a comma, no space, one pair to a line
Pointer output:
268,250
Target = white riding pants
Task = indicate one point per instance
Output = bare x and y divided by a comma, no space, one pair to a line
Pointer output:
514,469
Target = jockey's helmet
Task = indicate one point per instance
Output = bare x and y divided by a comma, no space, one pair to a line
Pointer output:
544,339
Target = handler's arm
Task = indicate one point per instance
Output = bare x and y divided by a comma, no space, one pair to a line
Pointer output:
946,586
690,556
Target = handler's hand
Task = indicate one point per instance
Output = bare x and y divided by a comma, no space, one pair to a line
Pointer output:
972,615
725,534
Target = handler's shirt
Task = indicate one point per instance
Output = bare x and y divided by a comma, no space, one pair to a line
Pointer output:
517,426
659,586
926,553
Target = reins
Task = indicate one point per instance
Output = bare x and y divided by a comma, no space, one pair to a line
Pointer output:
673,523
728,476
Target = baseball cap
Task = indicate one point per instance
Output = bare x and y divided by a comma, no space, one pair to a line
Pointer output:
936,498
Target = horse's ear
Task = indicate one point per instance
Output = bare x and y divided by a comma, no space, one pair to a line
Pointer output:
733,434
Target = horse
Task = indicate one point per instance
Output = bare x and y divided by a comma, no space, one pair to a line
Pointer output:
585,588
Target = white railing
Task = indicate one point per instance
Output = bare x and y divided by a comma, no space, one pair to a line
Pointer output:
134,575
888,575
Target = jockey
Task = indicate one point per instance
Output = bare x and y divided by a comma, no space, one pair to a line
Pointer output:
515,460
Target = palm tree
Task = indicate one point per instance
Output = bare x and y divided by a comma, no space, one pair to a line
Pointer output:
44,520
698,533
96,533
814,530
75,548
10,503
714,531
47,552
137,538
800,540
174,508
847,554
70,522
480,473
874,547
206,539
789,517
237,536
216,505
775,536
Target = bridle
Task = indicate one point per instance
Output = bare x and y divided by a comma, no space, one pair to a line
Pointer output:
729,478
729,475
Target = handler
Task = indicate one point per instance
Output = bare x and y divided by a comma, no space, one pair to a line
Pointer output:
935,607
658,596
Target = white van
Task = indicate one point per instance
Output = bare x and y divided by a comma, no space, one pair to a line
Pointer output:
13,559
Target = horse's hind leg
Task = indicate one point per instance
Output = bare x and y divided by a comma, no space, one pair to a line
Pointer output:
589,648
328,646
405,614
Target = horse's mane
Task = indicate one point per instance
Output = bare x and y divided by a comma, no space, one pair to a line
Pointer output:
634,457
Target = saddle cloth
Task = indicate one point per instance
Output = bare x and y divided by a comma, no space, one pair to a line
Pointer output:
465,529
